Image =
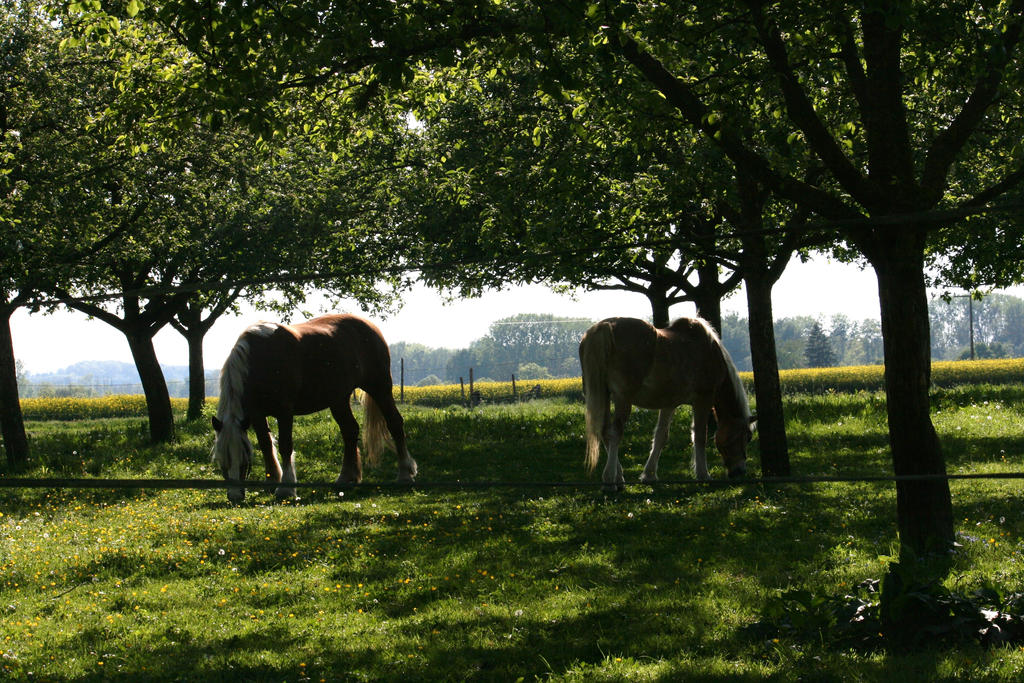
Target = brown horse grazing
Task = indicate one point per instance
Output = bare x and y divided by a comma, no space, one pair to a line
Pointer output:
285,370
631,362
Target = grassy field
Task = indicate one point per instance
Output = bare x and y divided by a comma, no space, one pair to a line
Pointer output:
531,582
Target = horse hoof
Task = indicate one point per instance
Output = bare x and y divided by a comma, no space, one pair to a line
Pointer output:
408,470
285,494
617,487
644,479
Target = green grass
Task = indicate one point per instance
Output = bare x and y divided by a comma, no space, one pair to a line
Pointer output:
550,583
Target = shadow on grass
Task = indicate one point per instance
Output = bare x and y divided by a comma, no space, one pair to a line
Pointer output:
492,584
500,586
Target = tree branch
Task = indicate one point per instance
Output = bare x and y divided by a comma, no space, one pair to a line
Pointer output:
89,309
803,114
854,69
947,144
1011,180
889,155
681,96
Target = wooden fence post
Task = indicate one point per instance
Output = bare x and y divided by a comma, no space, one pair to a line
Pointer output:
401,385
514,397
471,388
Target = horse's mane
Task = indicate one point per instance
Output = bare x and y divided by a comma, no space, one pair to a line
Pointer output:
233,374
739,391
232,381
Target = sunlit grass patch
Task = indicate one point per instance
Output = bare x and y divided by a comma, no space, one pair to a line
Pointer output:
560,583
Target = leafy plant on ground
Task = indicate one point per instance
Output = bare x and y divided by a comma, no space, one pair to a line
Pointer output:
901,612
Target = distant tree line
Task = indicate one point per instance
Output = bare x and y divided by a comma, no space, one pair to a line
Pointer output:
805,341
102,378
998,327
534,346
529,346
540,346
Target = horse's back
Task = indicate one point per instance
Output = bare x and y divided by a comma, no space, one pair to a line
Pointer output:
690,355
635,342
624,350
343,348
660,368
309,366
330,336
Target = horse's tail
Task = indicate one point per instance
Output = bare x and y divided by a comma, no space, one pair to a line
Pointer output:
595,352
375,431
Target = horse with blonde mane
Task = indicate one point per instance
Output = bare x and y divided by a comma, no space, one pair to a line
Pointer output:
281,371
630,362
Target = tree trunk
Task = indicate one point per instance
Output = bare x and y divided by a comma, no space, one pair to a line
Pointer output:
923,508
771,424
190,324
708,296
659,307
709,304
196,374
12,423
158,400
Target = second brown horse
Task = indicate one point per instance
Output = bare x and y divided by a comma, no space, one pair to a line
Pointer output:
630,362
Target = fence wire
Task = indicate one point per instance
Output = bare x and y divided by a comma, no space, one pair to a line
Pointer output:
456,484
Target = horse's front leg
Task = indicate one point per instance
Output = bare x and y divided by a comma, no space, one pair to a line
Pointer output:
699,433
266,444
650,473
286,446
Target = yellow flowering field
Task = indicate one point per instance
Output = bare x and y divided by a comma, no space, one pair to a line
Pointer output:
119,405
872,377
797,381
492,392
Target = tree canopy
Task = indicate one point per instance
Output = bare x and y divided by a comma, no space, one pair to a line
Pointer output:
138,213
880,125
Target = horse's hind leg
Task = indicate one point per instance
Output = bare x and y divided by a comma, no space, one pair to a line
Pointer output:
286,447
614,429
650,473
396,426
352,465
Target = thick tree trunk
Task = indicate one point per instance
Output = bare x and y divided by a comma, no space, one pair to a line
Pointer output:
196,375
709,307
190,324
923,508
659,308
771,424
158,400
12,423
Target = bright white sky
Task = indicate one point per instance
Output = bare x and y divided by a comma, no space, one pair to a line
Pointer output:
48,343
